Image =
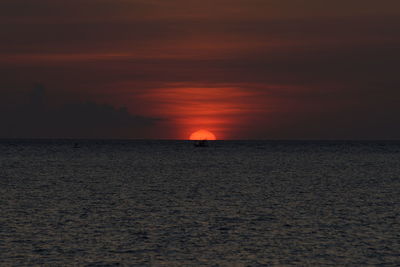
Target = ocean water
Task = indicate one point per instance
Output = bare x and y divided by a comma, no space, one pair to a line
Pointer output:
167,203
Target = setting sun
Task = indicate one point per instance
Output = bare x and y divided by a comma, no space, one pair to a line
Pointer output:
202,135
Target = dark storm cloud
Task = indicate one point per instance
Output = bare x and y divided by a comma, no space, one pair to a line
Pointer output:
37,118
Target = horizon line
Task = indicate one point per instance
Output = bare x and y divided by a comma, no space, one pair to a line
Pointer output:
172,139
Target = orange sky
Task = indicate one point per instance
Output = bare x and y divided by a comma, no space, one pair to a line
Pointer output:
189,108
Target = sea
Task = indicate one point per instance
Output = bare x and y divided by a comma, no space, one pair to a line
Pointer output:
169,203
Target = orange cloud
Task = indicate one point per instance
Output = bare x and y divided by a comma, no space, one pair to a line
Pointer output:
190,108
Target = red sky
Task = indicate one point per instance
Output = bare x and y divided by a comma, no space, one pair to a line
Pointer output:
243,69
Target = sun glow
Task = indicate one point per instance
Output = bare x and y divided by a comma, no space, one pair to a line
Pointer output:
189,108
202,135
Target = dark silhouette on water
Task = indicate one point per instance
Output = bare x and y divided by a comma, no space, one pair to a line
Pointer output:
201,143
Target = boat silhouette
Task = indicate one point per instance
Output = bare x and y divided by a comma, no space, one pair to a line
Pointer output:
201,143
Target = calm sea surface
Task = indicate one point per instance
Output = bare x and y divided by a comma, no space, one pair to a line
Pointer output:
167,203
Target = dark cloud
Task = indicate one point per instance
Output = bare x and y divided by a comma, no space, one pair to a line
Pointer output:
37,118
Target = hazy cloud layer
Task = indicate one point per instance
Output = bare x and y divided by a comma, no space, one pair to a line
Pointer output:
308,69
